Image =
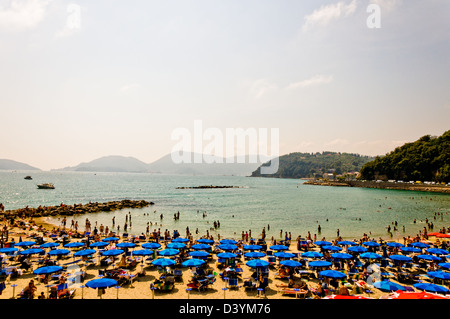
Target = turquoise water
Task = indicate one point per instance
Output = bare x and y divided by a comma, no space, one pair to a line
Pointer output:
284,204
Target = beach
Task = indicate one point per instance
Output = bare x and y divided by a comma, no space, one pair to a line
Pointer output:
139,288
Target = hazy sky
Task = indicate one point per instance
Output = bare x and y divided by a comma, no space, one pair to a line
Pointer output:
84,79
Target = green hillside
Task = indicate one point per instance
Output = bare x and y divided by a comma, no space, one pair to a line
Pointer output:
304,165
427,159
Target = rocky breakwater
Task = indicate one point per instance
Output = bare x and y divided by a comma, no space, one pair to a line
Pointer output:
206,187
68,210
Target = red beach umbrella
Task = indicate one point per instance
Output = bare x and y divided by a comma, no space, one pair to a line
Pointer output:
415,295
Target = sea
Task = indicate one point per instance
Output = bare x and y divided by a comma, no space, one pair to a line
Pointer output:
280,205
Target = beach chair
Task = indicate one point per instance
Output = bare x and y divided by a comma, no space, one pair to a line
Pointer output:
249,284
294,292
178,274
233,283
272,260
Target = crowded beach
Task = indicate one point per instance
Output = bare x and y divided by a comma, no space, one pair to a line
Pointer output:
44,261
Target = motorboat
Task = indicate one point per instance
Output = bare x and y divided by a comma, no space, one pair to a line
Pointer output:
28,177
46,186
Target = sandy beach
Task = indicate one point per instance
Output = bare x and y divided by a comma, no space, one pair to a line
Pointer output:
139,288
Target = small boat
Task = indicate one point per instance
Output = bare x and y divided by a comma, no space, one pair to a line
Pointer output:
46,186
28,177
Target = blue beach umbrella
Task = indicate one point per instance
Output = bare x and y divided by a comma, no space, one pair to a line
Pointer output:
205,241
227,247
226,255
319,263
74,245
31,251
346,243
290,263
47,270
101,283
437,251
84,252
428,257
168,252
431,288
176,245
201,247
256,263
332,248
388,286
394,244
439,274
49,245
283,254
357,249
8,250
444,265
312,254
332,274
370,256
420,245
151,245
371,244
126,245
400,258
112,252
143,252
410,250
279,247
199,253
98,244
163,262
341,256
111,239
228,241
59,252
252,247
180,240
193,262
322,243
25,243
254,254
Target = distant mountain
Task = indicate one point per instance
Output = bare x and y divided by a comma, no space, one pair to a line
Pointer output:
209,165
166,165
6,164
308,165
111,164
427,159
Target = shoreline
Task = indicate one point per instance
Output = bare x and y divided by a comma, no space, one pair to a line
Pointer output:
442,189
140,288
